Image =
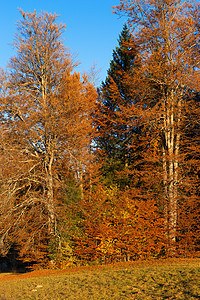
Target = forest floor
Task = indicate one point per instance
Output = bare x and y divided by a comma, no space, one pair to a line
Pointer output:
158,279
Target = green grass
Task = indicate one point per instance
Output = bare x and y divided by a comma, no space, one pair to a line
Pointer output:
171,280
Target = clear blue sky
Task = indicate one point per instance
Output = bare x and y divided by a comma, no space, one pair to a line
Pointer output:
92,29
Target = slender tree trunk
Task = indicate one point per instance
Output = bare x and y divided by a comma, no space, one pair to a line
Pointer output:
49,156
166,204
50,197
170,167
81,178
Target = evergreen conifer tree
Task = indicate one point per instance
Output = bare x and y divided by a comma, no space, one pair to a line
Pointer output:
115,95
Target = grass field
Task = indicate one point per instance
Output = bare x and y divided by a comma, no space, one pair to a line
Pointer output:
171,279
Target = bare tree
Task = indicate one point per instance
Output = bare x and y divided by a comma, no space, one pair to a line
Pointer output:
42,112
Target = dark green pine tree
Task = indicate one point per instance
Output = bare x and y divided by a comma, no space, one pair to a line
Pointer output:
114,95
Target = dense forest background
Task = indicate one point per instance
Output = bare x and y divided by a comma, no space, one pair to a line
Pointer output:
102,174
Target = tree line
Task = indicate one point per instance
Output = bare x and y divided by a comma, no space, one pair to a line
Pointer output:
110,173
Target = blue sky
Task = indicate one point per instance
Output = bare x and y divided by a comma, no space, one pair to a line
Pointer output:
92,29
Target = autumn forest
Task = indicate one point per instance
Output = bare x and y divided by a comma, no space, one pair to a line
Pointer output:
94,175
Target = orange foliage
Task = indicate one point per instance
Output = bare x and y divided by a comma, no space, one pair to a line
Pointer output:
47,124
119,226
167,111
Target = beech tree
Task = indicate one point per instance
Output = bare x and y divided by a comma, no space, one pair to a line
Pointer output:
46,113
167,36
118,226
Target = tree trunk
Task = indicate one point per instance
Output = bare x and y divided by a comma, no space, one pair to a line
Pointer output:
50,198
170,152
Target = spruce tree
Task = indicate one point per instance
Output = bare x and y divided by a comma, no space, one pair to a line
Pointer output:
114,96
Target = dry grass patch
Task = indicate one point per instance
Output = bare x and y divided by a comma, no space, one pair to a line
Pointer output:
145,280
